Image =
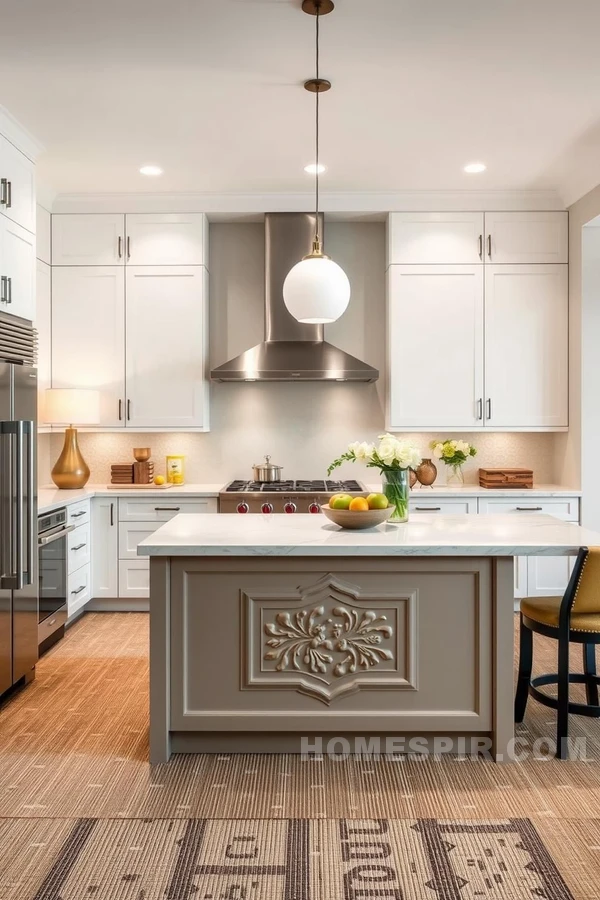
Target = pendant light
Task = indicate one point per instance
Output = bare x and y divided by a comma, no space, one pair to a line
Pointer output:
316,290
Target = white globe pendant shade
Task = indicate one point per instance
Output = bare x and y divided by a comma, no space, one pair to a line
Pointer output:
316,291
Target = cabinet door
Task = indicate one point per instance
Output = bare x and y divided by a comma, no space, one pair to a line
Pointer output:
527,237
134,578
42,234
17,264
43,324
88,240
104,548
435,238
18,194
166,333
88,334
435,351
526,346
548,576
166,239
520,576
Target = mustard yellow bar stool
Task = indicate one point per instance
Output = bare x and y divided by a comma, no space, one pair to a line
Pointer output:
572,618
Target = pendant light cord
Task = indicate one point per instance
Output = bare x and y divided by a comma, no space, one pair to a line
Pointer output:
317,229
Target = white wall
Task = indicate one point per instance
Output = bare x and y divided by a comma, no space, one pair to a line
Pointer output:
302,426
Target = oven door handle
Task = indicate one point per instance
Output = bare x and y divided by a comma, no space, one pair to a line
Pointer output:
55,537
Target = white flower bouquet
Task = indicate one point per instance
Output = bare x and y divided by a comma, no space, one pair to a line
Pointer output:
393,457
454,454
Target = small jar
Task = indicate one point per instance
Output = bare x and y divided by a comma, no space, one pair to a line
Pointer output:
175,470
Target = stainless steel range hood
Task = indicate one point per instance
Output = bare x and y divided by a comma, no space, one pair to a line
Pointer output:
290,351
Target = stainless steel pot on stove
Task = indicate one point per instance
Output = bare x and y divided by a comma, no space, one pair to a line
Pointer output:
267,471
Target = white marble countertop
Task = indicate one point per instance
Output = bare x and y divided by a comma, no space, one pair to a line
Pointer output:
311,535
474,490
51,497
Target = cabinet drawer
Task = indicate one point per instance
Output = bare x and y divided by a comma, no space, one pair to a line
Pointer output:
78,590
78,513
130,535
443,507
161,510
78,548
566,508
134,578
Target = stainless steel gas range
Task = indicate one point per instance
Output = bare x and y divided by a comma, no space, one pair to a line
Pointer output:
282,496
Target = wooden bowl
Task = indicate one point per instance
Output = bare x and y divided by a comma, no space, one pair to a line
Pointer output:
141,454
359,518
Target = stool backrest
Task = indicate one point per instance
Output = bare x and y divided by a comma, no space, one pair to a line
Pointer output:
586,574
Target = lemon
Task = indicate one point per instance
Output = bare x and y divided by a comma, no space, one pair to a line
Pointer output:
159,479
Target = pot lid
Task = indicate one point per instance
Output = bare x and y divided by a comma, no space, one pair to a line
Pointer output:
267,462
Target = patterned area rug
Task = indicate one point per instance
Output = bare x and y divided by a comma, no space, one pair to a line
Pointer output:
285,859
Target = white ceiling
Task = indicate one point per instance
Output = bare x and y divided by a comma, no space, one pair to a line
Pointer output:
211,90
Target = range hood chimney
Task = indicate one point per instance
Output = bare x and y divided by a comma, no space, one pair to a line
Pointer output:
290,351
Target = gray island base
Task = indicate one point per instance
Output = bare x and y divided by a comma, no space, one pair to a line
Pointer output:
282,633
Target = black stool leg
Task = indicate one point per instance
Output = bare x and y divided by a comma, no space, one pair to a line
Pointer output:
589,667
562,724
524,677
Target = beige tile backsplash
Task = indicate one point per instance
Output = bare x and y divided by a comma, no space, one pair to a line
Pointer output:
217,458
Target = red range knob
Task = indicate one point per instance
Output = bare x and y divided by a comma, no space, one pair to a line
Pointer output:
243,507
314,507
267,508
289,507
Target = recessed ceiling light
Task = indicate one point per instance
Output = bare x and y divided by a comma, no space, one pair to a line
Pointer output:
314,169
151,170
475,167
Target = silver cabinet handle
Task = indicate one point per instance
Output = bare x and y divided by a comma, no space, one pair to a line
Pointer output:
480,246
128,410
112,514
428,508
9,194
488,404
120,410
128,247
120,247
78,514
31,519
3,289
529,508
3,192
9,292
79,589
480,409
167,508
78,547
489,243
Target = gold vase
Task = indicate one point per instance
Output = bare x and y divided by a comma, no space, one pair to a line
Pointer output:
70,470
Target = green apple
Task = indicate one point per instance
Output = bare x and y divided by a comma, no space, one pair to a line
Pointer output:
377,501
340,501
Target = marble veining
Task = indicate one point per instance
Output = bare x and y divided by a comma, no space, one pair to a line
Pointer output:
313,535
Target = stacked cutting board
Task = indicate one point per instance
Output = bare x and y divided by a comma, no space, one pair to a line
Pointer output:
139,474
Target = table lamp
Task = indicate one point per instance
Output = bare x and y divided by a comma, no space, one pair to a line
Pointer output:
64,407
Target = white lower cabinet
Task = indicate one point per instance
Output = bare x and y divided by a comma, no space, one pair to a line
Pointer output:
548,576
105,583
134,579
444,507
79,590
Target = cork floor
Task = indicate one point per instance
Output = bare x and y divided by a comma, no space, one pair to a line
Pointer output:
74,746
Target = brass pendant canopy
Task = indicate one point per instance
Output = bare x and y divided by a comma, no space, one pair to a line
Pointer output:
70,470
317,7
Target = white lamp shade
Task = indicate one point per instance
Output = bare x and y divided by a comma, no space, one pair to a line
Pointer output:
316,291
71,406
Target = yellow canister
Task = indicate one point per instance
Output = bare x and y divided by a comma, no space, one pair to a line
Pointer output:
175,469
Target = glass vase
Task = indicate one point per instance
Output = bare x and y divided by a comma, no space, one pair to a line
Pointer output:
455,475
397,491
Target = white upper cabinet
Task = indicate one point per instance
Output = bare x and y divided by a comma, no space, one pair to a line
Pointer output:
435,346
435,238
178,239
526,237
17,269
526,347
88,334
43,228
17,186
166,347
88,240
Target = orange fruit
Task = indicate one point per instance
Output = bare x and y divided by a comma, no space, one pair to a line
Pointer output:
359,503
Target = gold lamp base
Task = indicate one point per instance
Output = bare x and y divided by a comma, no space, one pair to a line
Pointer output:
71,470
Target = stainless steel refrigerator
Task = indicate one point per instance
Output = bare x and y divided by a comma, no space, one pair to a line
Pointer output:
18,504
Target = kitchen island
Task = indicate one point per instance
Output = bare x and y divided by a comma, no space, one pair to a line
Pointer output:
276,633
